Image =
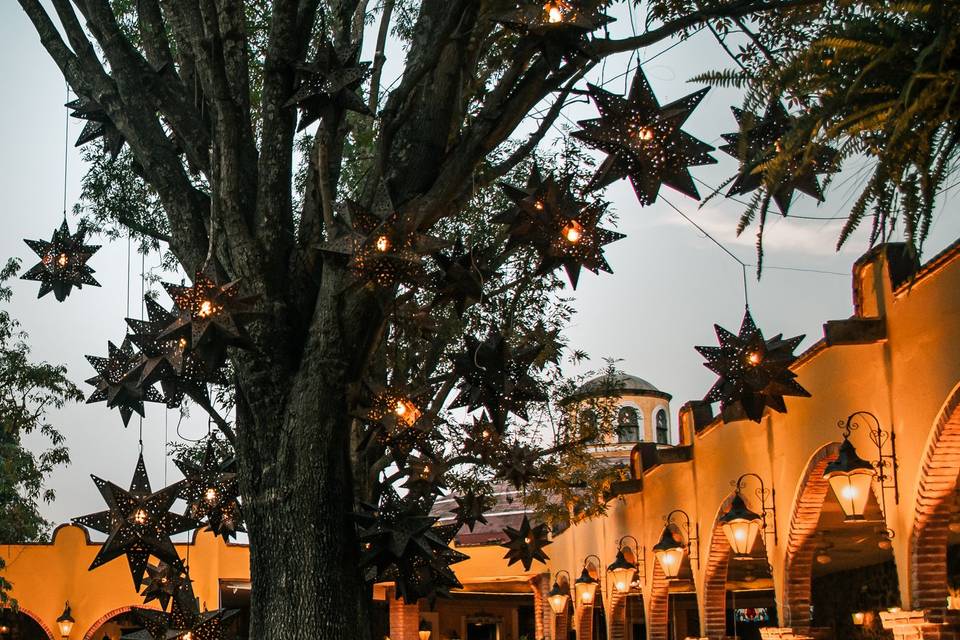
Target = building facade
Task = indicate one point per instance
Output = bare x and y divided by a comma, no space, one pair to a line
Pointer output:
816,569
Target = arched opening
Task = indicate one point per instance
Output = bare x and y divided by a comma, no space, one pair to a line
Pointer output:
22,625
935,539
663,426
114,625
840,573
673,612
629,425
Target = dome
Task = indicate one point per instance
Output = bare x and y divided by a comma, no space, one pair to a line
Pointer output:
624,383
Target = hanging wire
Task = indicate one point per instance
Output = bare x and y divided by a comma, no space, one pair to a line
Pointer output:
66,151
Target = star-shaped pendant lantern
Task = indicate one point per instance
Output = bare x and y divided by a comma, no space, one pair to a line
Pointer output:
526,544
117,382
401,544
383,247
644,141
492,375
758,142
470,509
460,279
558,28
211,492
138,524
169,360
482,439
330,82
99,125
754,373
185,621
63,262
518,466
164,583
425,477
563,230
211,317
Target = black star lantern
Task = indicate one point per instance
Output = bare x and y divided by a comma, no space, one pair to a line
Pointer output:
63,262
518,466
754,373
558,28
99,125
210,491
526,544
116,381
330,82
564,231
401,544
138,524
758,142
425,477
384,249
460,279
495,377
644,141
470,508
210,317
169,361
165,583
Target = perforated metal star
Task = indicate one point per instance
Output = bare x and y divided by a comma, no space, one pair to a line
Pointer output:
210,490
470,509
383,247
211,317
330,82
754,373
558,28
138,524
562,229
63,262
526,544
169,361
481,439
460,278
165,583
401,544
185,621
519,466
758,142
495,377
116,382
644,141
425,477
99,125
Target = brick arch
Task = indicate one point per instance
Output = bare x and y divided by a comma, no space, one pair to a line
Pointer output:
105,618
40,623
798,566
715,580
658,614
617,616
938,481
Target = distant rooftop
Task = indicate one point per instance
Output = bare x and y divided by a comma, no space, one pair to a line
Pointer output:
625,384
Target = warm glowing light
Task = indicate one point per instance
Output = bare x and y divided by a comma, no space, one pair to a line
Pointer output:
211,495
572,232
754,358
62,260
849,492
645,134
558,602
182,343
538,205
824,558
406,411
554,12
669,552
187,636
383,244
206,309
859,617
850,478
140,516
528,540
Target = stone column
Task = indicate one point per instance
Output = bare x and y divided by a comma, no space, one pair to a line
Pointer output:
543,614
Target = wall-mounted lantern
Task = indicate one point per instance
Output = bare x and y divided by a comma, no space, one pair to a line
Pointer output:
621,570
65,621
741,525
586,585
558,596
671,549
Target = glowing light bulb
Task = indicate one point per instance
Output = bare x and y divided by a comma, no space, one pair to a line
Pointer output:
210,495
528,539
140,516
849,492
401,408
645,134
754,358
740,534
206,309
587,596
538,205
182,343
383,244
486,433
572,232
187,636
554,13
62,260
